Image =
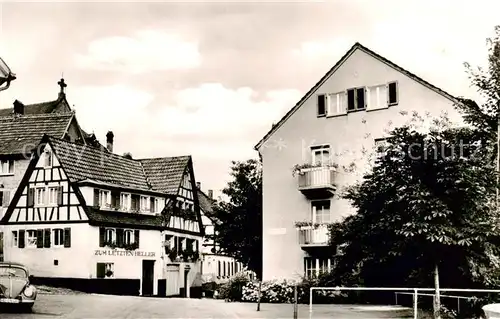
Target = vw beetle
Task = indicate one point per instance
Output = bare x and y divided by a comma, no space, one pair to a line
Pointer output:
15,287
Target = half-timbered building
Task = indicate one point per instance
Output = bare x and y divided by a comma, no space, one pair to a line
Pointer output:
89,219
21,129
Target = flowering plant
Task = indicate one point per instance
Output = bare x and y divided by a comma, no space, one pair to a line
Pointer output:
298,168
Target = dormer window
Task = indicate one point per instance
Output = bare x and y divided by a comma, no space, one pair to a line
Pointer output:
6,167
104,198
125,201
47,159
145,203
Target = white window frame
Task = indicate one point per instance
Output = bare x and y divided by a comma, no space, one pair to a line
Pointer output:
320,149
9,164
337,104
128,234
356,107
107,233
380,142
314,212
109,266
15,238
128,196
48,159
40,201
29,238
144,204
104,198
58,237
157,205
381,101
52,191
314,266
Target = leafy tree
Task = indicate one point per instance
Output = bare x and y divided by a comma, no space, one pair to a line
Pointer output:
239,233
424,214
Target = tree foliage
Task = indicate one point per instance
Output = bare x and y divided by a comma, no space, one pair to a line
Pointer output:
427,204
239,233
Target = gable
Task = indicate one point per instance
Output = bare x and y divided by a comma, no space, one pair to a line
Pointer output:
358,67
45,195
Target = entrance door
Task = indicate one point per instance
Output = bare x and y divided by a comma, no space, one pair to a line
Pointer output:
173,274
147,277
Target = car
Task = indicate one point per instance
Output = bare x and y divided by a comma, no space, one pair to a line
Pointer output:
15,287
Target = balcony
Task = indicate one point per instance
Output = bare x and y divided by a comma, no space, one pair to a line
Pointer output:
317,182
313,236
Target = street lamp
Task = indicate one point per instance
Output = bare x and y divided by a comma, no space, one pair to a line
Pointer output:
6,75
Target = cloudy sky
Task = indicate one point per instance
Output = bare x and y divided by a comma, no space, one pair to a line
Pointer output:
209,78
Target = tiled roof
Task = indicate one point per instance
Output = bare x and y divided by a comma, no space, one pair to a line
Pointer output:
165,173
21,134
206,205
113,218
40,108
377,56
84,162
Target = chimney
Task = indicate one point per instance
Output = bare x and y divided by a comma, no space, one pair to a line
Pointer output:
198,185
211,194
109,141
18,108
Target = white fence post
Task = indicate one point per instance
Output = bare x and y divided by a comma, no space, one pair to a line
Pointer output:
415,304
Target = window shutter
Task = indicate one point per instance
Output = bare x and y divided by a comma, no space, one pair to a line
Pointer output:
351,105
197,245
39,238
46,239
136,237
102,234
22,238
152,204
101,269
321,105
392,93
67,237
31,197
119,237
360,98
60,195
6,198
96,197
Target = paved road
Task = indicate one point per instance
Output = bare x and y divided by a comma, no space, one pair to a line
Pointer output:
104,306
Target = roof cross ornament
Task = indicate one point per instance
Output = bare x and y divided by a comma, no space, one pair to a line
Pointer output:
62,84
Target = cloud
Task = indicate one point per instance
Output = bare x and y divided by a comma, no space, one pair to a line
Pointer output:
212,119
214,109
147,50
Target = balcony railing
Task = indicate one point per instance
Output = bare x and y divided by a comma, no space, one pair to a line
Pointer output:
317,181
314,235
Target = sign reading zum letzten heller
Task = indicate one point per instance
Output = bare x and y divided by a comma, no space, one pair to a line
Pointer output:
127,253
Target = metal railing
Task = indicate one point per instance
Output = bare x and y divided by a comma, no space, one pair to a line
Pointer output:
316,177
313,235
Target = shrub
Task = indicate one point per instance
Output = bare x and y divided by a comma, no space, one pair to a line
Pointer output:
209,288
232,289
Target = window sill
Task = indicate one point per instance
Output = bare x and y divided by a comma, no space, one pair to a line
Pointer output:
377,109
355,111
336,115
46,206
7,174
